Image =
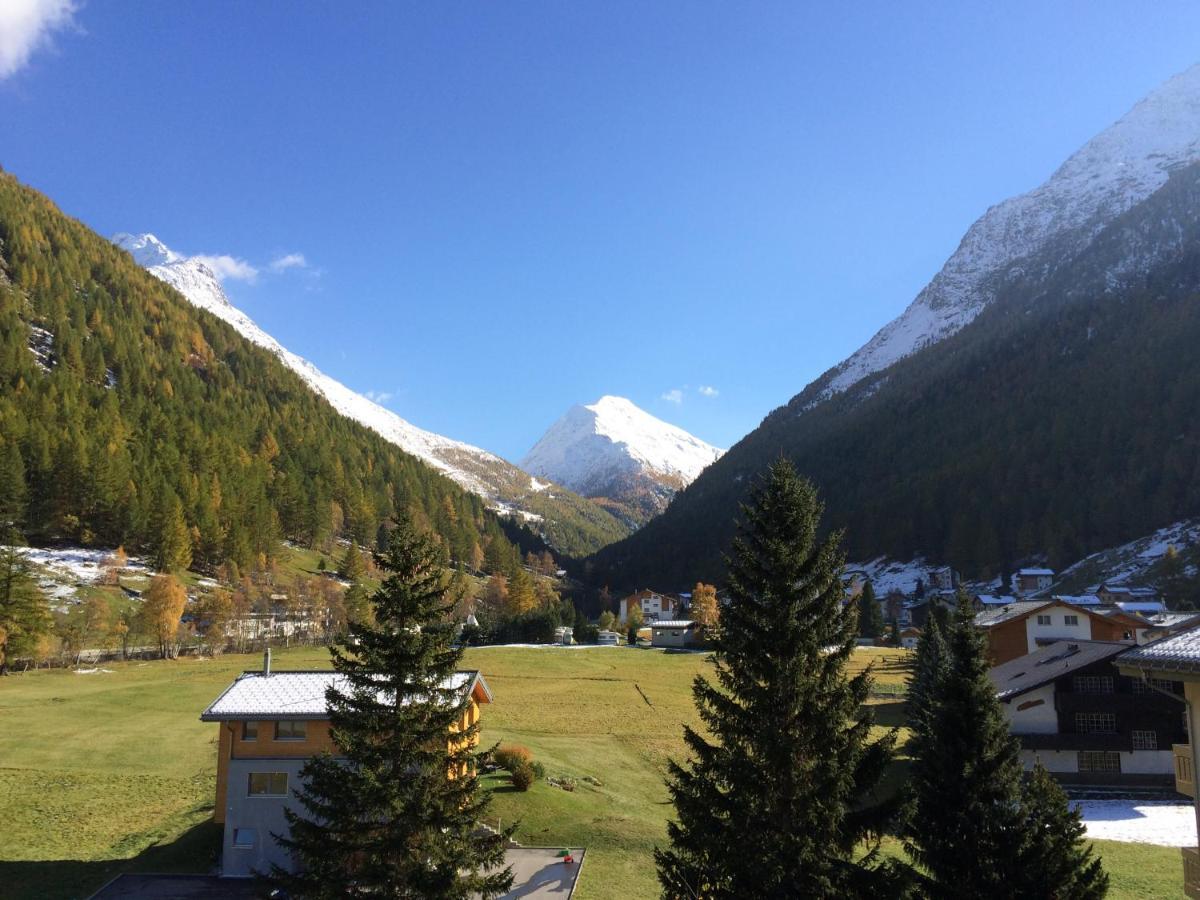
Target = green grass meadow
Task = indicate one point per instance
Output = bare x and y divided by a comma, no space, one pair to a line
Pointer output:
113,771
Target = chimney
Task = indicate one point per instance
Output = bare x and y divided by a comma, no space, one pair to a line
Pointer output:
267,662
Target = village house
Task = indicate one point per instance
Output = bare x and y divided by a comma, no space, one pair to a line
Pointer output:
652,604
1033,581
1124,593
1020,628
270,724
676,633
1087,723
909,637
1171,660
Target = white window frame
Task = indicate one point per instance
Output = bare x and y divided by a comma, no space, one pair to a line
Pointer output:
1110,761
1044,620
1145,739
1092,684
1070,620
1095,723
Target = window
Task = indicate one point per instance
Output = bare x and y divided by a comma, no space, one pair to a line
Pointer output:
1095,723
249,731
268,784
1140,687
244,838
1145,740
1043,620
1092,684
1099,761
289,730
1070,620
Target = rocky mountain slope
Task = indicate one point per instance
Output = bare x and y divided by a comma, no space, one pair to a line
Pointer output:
620,455
568,522
1041,402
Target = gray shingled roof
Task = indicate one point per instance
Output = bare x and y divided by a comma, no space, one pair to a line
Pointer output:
1023,674
297,695
992,616
1176,653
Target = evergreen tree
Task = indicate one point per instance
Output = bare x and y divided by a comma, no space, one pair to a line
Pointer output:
173,545
974,828
23,614
870,616
13,492
1056,860
396,815
777,802
352,567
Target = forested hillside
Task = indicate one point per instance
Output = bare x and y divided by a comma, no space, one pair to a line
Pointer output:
1061,421
128,416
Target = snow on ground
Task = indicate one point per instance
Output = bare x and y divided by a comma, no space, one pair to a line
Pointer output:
1165,823
537,486
887,575
78,563
1129,563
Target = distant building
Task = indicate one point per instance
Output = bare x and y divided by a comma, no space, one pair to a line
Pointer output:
608,638
678,633
1033,581
909,638
652,604
1085,721
271,723
1124,593
1020,628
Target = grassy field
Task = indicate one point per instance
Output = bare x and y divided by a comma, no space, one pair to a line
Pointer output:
112,771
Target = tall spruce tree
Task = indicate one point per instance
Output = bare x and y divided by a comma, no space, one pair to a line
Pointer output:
974,828
1057,861
396,814
870,616
776,803
24,616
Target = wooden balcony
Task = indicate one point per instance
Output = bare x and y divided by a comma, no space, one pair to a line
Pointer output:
1191,872
1185,781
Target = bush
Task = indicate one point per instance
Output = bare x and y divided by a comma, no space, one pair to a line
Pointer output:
522,776
539,771
512,756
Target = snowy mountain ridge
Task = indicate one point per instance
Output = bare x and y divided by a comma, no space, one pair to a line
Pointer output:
612,449
507,489
1111,173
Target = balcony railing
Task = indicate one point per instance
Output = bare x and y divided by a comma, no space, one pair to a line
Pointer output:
1185,779
1191,872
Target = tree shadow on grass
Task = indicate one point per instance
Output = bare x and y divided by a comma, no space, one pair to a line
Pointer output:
197,850
891,714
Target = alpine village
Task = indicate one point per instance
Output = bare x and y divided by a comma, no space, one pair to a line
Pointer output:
928,628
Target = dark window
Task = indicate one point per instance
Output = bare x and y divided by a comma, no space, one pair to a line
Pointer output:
1043,620
1145,740
1099,761
1095,723
1140,686
290,730
249,731
267,784
1070,620
244,838
1092,684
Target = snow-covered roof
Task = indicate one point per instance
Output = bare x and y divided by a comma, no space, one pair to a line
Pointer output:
301,695
1079,599
1177,653
990,617
1023,674
993,600
1049,572
1139,606
673,623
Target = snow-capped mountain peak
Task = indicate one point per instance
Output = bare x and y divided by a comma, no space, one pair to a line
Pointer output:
614,450
507,488
1117,169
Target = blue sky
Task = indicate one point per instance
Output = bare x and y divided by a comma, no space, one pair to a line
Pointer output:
505,209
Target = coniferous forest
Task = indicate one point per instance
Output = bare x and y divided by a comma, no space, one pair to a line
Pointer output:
130,417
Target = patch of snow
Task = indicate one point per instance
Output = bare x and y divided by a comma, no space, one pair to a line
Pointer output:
1164,823
1129,563
592,446
1111,173
887,575
79,564
41,345
538,486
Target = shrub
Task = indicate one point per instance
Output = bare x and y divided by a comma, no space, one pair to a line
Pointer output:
539,771
511,756
522,776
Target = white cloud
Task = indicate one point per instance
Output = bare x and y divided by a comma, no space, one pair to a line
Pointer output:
707,390
26,25
379,397
288,261
675,395
225,266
